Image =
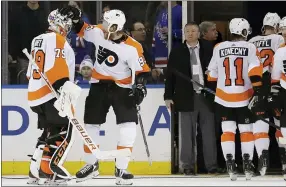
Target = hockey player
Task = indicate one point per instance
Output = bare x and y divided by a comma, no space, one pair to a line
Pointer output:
118,57
282,27
267,44
278,94
55,58
236,69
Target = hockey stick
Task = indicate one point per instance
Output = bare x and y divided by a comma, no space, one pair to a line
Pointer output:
80,128
212,92
144,135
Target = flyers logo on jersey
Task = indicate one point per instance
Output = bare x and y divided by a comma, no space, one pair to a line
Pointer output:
106,56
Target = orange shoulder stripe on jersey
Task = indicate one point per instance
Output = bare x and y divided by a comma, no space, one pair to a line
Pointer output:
99,76
234,97
38,94
60,69
211,78
139,48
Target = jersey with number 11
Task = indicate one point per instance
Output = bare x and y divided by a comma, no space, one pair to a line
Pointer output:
55,58
232,65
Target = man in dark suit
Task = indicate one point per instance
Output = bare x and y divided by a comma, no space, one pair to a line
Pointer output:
193,104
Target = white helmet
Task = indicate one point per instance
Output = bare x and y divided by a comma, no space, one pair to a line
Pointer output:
238,25
282,23
271,19
59,23
113,18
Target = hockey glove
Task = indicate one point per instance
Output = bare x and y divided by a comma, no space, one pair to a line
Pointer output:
71,12
140,93
274,101
256,103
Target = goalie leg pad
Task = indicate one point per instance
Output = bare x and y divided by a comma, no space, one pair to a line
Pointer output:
127,136
58,145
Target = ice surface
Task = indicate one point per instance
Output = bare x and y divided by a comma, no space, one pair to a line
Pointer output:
170,180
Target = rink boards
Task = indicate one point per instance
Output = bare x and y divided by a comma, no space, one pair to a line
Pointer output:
19,134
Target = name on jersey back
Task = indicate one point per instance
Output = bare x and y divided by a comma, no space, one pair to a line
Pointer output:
262,43
238,51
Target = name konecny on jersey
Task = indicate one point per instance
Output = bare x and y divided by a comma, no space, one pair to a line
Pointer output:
239,51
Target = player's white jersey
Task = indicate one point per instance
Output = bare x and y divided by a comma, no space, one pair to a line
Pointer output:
114,61
232,63
279,67
56,59
267,46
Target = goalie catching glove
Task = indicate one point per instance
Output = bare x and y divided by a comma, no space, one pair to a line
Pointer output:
256,103
69,94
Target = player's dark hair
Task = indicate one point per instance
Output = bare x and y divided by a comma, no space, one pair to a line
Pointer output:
192,23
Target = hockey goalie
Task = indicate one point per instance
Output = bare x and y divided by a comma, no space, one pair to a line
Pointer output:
54,58
118,59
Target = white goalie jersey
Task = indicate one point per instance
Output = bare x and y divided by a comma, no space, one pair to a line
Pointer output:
55,58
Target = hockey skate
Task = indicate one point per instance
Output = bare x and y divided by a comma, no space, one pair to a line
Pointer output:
231,167
32,179
283,161
87,172
263,162
123,177
51,179
248,167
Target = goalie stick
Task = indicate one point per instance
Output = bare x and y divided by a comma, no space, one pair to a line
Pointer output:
212,92
78,126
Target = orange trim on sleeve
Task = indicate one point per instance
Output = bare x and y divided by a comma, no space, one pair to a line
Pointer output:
138,46
211,78
38,94
81,32
228,137
274,81
60,69
246,137
256,71
99,76
234,97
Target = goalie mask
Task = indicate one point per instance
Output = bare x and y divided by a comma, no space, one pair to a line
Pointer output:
239,26
272,20
113,21
58,23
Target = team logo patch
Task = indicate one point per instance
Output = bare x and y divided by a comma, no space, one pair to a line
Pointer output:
110,58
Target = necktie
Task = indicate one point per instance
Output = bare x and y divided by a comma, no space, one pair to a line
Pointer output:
193,61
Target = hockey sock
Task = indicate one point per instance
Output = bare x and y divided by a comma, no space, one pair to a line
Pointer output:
247,139
260,131
127,136
228,138
93,131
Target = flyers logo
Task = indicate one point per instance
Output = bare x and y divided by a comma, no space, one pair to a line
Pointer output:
106,56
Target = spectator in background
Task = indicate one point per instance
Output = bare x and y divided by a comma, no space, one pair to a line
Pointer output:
208,31
80,46
138,31
25,24
282,27
85,71
160,39
191,59
104,9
